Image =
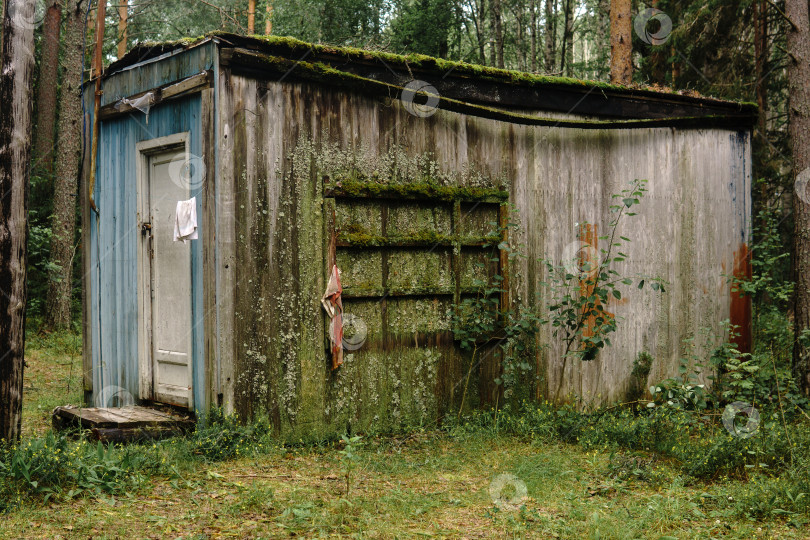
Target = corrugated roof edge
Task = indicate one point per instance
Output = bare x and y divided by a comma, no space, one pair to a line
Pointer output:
294,48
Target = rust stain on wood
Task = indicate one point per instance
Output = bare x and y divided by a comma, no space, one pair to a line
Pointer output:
740,312
588,235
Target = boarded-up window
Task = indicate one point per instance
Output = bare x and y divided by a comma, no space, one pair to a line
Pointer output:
409,252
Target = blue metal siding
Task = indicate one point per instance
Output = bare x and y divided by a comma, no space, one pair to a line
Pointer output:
114,234
152,74
115,238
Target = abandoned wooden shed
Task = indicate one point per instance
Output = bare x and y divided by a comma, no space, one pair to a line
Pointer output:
302,157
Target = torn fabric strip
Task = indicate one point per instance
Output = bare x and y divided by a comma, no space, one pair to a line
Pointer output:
334,308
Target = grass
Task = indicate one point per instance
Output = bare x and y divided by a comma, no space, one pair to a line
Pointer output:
53,377
429,484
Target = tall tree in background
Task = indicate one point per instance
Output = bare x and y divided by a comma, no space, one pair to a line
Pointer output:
251,17
798,46
47,87
550,31
621,42
519,15
268,18
16,78
68,159
123,17
497,30
761,61
422,26
567,55
474,24
346,22
533,30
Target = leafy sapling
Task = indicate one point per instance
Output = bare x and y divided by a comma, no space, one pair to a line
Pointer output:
349,457
581,289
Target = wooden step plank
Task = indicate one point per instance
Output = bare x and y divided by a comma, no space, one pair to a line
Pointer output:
136,415
116,418
88,417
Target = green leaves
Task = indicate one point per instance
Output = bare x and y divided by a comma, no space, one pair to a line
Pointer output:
481,323
349,456
579,306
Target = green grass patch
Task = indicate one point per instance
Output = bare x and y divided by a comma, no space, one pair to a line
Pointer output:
534,472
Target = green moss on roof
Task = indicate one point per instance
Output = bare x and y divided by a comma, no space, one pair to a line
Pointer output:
421,61
318,71
431,63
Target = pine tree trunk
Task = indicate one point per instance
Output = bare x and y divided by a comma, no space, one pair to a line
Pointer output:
761,61
46,91
533,7
268,18
123,16
495,7
621,42
251,17
16,78
68,159
567,57
798,46
550,36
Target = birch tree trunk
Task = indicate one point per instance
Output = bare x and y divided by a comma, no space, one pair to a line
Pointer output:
57,315
16,77
798,46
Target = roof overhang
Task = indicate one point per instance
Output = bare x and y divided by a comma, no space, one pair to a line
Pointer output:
275,58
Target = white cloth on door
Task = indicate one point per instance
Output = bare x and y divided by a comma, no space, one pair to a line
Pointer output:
185,220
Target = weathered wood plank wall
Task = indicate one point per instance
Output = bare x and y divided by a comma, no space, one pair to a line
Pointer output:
690,225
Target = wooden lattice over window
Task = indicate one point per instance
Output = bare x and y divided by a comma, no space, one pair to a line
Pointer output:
411,244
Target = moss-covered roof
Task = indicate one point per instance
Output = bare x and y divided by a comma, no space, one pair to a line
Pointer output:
357,60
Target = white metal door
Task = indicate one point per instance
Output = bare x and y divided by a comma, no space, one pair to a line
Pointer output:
167,303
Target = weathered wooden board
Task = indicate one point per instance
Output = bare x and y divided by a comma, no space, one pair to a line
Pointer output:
121,418
161,94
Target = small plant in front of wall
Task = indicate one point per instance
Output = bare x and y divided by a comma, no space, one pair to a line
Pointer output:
582,286
349,457
482,325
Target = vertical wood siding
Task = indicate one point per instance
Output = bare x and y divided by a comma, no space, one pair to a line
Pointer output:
270,255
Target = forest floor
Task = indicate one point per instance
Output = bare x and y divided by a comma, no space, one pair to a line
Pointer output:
430,484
